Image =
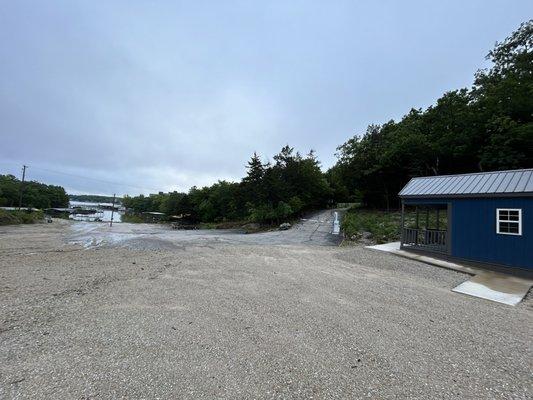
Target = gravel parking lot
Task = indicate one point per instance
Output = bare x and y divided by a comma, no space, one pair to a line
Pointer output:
218,319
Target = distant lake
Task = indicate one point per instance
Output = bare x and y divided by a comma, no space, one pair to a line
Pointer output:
102,214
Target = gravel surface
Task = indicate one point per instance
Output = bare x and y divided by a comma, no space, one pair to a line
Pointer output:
313,230
221,320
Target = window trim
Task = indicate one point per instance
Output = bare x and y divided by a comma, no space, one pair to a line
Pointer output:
498,220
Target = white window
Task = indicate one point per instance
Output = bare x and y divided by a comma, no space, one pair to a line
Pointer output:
509,221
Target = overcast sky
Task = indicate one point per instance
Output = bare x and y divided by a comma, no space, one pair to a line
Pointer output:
155,95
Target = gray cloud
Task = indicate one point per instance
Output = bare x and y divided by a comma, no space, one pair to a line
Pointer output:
169,95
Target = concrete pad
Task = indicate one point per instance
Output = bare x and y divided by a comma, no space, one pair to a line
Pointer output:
506,289
388,247
394,248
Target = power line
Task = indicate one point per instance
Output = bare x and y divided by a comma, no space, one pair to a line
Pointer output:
93,179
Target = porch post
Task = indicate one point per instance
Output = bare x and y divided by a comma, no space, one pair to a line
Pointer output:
402,224
449,228
417,226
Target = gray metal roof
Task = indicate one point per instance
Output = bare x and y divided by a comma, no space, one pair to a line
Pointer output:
498,183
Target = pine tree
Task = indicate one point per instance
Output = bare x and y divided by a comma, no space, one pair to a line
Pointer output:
256,170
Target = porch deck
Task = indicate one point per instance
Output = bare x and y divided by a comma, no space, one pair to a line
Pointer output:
426,229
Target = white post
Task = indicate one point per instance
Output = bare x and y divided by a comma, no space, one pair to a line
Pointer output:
336,224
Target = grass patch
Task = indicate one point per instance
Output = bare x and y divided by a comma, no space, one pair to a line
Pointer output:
20,217
222,225
384,226
207,225
132,218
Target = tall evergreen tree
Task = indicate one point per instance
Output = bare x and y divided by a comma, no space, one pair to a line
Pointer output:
255,169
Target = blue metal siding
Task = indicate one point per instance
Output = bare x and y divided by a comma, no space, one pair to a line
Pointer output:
474,234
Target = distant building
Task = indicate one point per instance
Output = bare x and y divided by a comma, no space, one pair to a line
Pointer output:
58,212
153,216
482,218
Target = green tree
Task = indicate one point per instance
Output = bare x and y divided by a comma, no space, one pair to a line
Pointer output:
487,127
35,194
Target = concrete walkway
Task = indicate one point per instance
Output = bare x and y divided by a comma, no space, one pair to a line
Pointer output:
489,285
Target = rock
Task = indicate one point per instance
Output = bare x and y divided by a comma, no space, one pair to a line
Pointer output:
366,235
284,226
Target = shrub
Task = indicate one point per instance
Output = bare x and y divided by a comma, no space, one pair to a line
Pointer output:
384,226
20,217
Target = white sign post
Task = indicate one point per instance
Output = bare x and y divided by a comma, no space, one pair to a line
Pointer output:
336,224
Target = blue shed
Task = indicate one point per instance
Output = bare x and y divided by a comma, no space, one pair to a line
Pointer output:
482,218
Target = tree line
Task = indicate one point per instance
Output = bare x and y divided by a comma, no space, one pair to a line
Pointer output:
486,127
93,198
34,194
270,192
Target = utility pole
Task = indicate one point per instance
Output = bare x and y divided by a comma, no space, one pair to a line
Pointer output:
112,211
22,185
